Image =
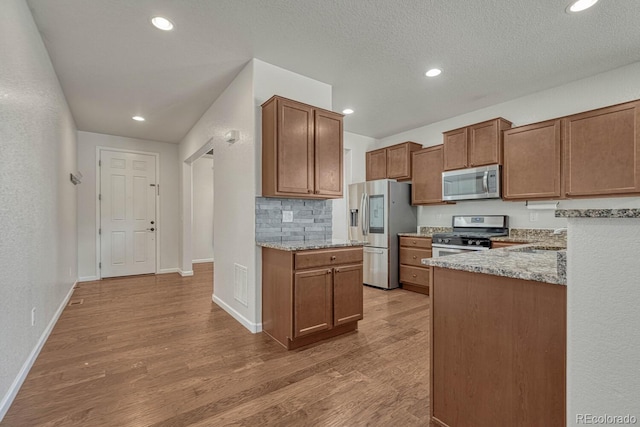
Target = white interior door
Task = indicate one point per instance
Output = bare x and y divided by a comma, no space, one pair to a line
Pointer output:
127,213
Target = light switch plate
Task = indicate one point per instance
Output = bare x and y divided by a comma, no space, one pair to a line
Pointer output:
533,216
287,216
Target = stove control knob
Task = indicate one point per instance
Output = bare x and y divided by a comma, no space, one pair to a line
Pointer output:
446,240
477,242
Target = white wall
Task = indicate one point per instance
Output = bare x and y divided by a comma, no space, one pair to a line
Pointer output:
202,233
37,200
168,223
613,87
603,343
355,147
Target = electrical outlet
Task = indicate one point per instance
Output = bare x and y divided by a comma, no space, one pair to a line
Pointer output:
33,316
287,216
533,216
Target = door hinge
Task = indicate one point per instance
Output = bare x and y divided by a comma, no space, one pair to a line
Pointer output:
100,231
99,163
99,196
99,265
157,188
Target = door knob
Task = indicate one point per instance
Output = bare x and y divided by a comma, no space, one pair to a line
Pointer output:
153,222
151,229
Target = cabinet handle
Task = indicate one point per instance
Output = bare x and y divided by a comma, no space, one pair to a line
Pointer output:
333,257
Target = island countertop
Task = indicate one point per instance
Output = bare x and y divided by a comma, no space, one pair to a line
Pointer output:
310,244
539,263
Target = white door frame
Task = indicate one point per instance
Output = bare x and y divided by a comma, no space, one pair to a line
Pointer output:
186,262
158,222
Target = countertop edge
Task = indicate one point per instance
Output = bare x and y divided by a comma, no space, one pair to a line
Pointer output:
597,213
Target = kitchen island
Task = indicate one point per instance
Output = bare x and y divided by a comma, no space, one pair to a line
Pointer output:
311,290
498,338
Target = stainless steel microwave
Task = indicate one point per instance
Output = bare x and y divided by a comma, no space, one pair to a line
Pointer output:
471,184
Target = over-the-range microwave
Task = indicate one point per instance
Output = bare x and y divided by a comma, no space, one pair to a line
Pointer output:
471,184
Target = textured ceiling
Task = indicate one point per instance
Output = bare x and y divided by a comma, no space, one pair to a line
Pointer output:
113,64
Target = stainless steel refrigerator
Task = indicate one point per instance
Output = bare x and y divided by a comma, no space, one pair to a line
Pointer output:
378,211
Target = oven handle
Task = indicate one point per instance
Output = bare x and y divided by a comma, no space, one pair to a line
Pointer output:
485,182
466,248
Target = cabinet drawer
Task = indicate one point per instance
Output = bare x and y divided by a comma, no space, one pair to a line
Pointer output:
410,256
415,275
416,242
327,257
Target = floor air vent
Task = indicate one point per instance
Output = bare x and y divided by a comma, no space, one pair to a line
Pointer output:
240,284
76,302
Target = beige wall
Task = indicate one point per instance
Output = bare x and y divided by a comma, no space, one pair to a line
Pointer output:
37,200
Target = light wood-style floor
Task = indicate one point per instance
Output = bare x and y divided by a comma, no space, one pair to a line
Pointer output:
155,351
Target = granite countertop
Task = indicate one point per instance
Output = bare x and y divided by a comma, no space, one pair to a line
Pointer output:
533,235
310,244
536,262
426,231
598,213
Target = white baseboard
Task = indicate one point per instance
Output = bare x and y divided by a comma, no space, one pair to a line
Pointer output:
200,261
7,400
88,279
252,327
185,273
168,270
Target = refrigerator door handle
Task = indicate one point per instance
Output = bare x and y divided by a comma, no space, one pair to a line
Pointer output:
363,209
373,251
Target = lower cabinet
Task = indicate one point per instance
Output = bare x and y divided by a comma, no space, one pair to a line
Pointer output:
311,295
415,276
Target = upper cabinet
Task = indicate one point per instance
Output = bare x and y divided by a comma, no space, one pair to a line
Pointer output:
376,164
301,150
426,185
392,162
475,145
602,151
532,159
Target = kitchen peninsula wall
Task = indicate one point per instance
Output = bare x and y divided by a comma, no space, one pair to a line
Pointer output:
601,90
311,220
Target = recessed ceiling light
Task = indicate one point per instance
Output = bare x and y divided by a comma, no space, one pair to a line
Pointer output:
580,5
433,72
138,118
347,111
162,23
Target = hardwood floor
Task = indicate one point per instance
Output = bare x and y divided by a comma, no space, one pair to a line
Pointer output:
156,351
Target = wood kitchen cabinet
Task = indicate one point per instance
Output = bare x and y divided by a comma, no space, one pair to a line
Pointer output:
475,145
532,162
392,162
602,151
414,276
311,295
498,351
301,150
376,164
426,184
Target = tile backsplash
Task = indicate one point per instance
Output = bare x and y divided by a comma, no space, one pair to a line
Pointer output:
311,220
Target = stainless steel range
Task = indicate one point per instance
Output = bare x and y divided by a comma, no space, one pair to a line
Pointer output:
470,233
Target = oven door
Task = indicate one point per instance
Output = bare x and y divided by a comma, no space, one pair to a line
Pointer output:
444,250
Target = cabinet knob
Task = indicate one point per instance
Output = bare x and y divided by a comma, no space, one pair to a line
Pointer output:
309,191
414,275
414,242
337,270
328,271
317,192
333,257
415,257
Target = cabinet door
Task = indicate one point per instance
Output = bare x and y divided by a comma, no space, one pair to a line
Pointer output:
328,153
455,149
602,154
397,161
377,164
485,142
295,148
347,294
312,302
532,162
427,175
